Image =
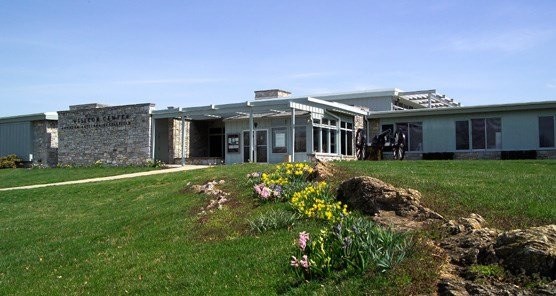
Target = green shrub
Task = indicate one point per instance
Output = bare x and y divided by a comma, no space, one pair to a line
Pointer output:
275,219
354,245
9,161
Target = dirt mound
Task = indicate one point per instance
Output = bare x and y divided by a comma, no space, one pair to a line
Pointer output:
321,172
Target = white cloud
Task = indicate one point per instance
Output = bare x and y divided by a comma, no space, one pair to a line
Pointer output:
511,41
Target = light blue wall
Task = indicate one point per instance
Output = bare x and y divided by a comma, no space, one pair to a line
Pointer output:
375,104
520,130
241,125
16,138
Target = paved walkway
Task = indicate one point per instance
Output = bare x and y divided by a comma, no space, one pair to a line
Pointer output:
117,177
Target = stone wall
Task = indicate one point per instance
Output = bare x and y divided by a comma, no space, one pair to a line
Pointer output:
174,137
45,142
546,154
119,135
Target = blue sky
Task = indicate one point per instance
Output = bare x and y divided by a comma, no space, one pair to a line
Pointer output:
188,53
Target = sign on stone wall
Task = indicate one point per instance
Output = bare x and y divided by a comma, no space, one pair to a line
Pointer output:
117,135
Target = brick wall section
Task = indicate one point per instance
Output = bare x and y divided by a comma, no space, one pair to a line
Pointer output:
45,142
119,135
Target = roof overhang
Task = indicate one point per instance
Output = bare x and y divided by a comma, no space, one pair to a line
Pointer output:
259,108
531,106
30,117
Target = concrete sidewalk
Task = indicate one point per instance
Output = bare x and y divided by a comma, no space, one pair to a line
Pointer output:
117,177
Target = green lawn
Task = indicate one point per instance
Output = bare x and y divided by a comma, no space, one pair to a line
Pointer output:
509,193
22,177
144,235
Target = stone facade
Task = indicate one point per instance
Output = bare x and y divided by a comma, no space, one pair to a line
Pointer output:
119,135
45,142
174,136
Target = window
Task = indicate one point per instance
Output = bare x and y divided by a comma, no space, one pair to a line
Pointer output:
485,133
414,135
325,132
494,133
279,140
462,135
346,138
546,131
316,139
300,139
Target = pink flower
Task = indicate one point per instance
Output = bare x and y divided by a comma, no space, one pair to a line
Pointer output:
304,262
294,262
303,239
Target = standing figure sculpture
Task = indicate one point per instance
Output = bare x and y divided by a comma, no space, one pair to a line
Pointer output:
377,145
361,144
399,145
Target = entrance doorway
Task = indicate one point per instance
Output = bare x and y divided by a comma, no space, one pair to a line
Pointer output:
261,146
161,147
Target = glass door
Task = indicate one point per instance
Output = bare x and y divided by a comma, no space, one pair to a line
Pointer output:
261,146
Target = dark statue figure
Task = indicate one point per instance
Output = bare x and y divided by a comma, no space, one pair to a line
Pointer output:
399,145
361,144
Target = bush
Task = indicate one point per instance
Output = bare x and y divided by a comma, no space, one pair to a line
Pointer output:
9,161
355,244
275,219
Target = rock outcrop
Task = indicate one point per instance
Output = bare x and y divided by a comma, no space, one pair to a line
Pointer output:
525,256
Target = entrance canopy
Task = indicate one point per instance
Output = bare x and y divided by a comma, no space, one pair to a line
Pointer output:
259,108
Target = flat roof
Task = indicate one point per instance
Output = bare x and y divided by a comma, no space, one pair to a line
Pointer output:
30,117
465,110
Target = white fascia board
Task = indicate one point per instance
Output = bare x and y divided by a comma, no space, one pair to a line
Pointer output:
357,95
30,117
339,106
465,110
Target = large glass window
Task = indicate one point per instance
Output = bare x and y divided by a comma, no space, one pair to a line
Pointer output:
493,133
316,139
478,133
414,135
546,131
300,139
486,133
462,135
279,140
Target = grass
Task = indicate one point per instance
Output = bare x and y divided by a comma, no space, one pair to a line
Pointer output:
144,235
23,177
508,194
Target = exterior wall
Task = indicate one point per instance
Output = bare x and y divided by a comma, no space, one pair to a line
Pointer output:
119,135
174,137
374,104
16,138
520,132
45,143
239,126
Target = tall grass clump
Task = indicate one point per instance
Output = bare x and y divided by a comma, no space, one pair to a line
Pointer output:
273,220
353,245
